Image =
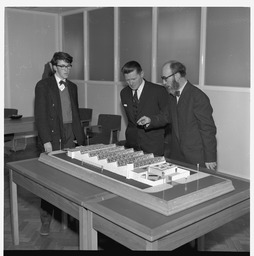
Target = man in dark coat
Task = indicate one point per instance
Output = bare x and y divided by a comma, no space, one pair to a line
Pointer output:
150,100
57,117
189,110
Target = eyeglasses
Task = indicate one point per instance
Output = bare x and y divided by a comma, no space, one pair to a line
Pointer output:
63,66
166,77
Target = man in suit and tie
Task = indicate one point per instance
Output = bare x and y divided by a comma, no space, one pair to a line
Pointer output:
139,98
189,110
57,117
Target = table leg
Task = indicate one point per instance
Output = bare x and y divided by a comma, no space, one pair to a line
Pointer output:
14,209
82,228
64,220
201,243
87,235
92,233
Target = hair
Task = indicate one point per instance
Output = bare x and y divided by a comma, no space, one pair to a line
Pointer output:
61,56
176,67
130,67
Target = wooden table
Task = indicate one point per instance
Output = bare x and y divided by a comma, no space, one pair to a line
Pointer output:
23,128
128,223
24,124
60,189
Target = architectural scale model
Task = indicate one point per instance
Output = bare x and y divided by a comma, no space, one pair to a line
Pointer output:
136,165
146,179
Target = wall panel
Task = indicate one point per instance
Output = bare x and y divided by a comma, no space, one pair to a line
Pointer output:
232,118
228,47
32,39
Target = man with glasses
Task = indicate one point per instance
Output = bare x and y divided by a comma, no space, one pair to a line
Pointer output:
189,111
141,97
57,117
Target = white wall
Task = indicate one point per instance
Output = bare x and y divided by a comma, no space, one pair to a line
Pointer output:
31,40
232,118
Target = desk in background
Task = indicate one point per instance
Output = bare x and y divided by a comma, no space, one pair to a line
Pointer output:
24,124
23,128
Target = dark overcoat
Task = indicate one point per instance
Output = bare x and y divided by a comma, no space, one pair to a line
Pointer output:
48,113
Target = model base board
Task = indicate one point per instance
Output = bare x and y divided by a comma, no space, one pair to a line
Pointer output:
143,178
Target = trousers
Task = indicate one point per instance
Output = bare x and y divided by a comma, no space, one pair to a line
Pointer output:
47,208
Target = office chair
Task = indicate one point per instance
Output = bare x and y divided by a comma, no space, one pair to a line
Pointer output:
7,113
106,131
85,116
9,137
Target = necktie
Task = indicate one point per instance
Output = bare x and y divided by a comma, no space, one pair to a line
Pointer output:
177,93
135,96
135,104
62,85
62,82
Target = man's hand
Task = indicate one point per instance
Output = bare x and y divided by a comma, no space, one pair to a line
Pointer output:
144,121
211,166
48,147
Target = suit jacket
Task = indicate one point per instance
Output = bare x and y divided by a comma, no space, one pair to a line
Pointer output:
48,113
193,128
152,100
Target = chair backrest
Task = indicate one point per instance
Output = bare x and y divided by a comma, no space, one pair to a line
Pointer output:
7,113
108,121
110,127
10,111
85,116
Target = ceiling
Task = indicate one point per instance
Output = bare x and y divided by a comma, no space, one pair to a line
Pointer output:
48,9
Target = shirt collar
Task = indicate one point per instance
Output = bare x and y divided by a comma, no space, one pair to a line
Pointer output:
180,90
60,86
58,79
140,88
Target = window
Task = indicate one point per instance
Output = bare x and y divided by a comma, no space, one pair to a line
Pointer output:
136,37
179,39
101,44
228,47
73,40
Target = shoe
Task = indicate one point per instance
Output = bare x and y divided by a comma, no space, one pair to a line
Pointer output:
45,229
45,222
